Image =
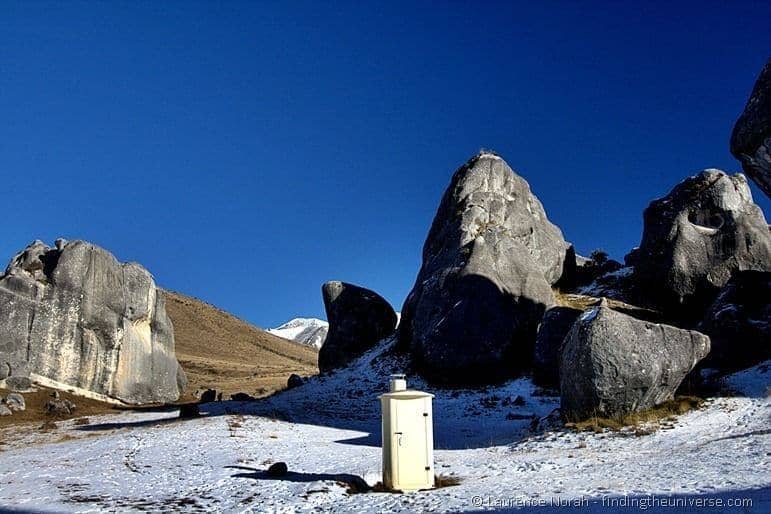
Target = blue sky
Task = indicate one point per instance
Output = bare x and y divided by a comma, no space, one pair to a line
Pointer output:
247,152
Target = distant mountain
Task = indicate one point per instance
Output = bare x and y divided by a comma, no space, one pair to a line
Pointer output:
307,331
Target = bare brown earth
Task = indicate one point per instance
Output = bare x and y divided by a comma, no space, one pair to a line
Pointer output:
219,351
216,350
35,409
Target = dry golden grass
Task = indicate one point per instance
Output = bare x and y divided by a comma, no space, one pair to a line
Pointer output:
575,301
640,421
583,302
35,408
440,481
219,351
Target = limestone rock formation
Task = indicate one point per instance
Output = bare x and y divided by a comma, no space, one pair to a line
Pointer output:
73,315
556,324
358,319
613,364
489,261
15,402
694,238
17,383
294,380
739,322
751,137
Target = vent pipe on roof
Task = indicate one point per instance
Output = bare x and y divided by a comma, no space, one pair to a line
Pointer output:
398,382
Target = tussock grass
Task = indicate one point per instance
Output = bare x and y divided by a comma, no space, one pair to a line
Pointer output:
48,426
440,481
639,423
575,301
583,302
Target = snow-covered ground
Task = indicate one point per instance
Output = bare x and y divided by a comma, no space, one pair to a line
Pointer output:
308,331
501,442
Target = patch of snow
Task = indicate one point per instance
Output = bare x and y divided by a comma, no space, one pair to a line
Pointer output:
609,284
726,309
754,381
581,260
708,231
624,272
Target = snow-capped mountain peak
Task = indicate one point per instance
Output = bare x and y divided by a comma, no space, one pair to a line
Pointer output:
308,331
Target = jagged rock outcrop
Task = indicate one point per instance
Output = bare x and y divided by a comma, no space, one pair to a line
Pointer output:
613,364
76,316
489,261
556,324
739,322
695,238
358,318
751,137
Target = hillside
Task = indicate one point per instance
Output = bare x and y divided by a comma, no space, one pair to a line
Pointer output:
220,351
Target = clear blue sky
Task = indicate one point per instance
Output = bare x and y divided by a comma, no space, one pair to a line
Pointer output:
247,152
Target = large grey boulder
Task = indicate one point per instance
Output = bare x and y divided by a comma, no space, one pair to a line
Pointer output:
739,322
489,261
695,238
554,327
358,319
19,383
74,316
613,364
751,137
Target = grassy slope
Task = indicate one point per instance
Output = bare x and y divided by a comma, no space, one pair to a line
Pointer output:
220,351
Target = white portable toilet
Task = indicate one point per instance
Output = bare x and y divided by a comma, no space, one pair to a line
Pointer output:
408,437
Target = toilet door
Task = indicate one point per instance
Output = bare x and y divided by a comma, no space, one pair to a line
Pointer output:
410,445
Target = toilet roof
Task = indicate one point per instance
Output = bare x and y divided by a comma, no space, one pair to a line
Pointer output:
405,395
